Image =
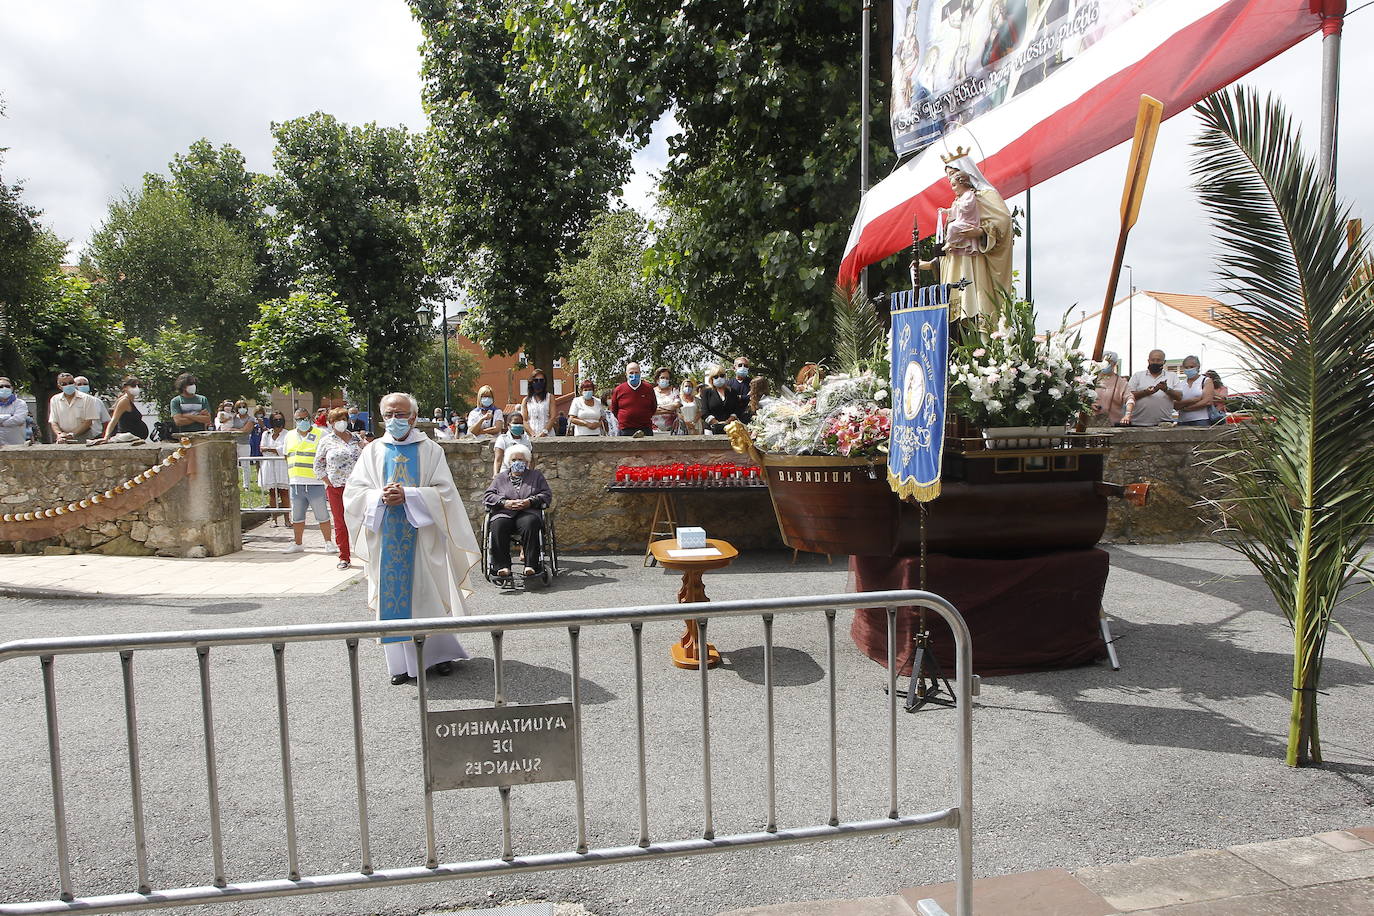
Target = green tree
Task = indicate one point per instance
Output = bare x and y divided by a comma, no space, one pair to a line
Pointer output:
427,382
611,312
67,334
762,184
157,362
511,179
217,181
346,201
29,257
305,341
159,259
1300,489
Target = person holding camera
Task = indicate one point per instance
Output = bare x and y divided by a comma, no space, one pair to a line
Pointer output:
1156,392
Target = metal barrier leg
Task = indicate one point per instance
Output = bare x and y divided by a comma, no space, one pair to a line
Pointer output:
293,870
768,719
59,806
703,665
207,715
499,699
364,838
834,724
126,664
431,852
578,775
637,633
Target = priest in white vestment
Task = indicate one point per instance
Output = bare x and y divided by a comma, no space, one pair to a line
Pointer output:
415,540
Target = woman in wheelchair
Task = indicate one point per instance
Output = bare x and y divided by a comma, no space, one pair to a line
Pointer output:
516,501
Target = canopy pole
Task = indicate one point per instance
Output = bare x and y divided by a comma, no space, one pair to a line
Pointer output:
1333,17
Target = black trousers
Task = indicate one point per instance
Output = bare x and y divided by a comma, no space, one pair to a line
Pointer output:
530,525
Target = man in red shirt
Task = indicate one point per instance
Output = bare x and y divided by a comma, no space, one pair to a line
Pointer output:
633,404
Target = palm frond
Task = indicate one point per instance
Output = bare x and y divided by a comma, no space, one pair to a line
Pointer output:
1300,489
859,336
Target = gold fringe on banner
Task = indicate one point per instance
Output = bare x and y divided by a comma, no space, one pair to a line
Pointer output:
910,489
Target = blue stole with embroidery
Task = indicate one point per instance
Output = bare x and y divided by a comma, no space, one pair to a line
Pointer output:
401,465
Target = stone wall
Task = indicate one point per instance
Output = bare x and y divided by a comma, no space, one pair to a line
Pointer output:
198,516
589,518
201,514
1173,462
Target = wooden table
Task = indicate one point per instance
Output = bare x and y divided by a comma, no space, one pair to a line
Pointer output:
666,513
686,651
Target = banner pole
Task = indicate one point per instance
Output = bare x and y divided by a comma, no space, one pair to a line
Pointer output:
1030,276
1137,170
863,124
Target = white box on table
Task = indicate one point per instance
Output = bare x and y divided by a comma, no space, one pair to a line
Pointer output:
691,537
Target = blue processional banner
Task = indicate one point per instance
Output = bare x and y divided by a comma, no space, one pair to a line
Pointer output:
920,367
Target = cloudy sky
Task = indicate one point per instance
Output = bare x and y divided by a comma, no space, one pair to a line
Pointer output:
98,93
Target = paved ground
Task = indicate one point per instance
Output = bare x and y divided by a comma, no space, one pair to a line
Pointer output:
260,568
1180,750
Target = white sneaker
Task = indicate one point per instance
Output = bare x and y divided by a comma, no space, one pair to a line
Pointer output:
331,547
294,548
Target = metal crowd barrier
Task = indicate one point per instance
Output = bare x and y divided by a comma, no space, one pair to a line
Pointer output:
203,642
250,477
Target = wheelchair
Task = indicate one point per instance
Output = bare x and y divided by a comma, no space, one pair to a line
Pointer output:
548,553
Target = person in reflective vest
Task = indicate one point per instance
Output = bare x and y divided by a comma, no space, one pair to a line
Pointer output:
307,490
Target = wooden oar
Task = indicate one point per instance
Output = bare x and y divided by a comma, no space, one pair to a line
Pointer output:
1137,170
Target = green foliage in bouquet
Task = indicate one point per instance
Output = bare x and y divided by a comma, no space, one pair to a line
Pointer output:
1005,374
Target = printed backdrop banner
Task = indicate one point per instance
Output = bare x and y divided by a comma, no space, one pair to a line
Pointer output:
1059,98
952,60
920,365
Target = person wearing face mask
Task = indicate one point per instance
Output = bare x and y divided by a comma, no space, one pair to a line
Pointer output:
518,433
666,395
412,535
536,406
307,490
272,476
485,421
1197,391
255,433
516,501
14,415
126,419
1156,392
720,404
689,421
83,385
72,414
586,413
1109,405
738,381
334,460
633,404
190,411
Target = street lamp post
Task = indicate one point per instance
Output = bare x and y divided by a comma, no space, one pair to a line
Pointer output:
1130,324
446,401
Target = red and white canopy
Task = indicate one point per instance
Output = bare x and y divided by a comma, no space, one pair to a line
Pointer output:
1178,51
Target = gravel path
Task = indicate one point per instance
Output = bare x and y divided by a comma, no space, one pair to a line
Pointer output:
1181,749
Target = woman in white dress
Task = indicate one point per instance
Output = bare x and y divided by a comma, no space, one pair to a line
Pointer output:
272,478
537,406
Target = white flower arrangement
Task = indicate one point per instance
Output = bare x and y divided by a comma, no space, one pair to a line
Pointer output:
813,421
1004,374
